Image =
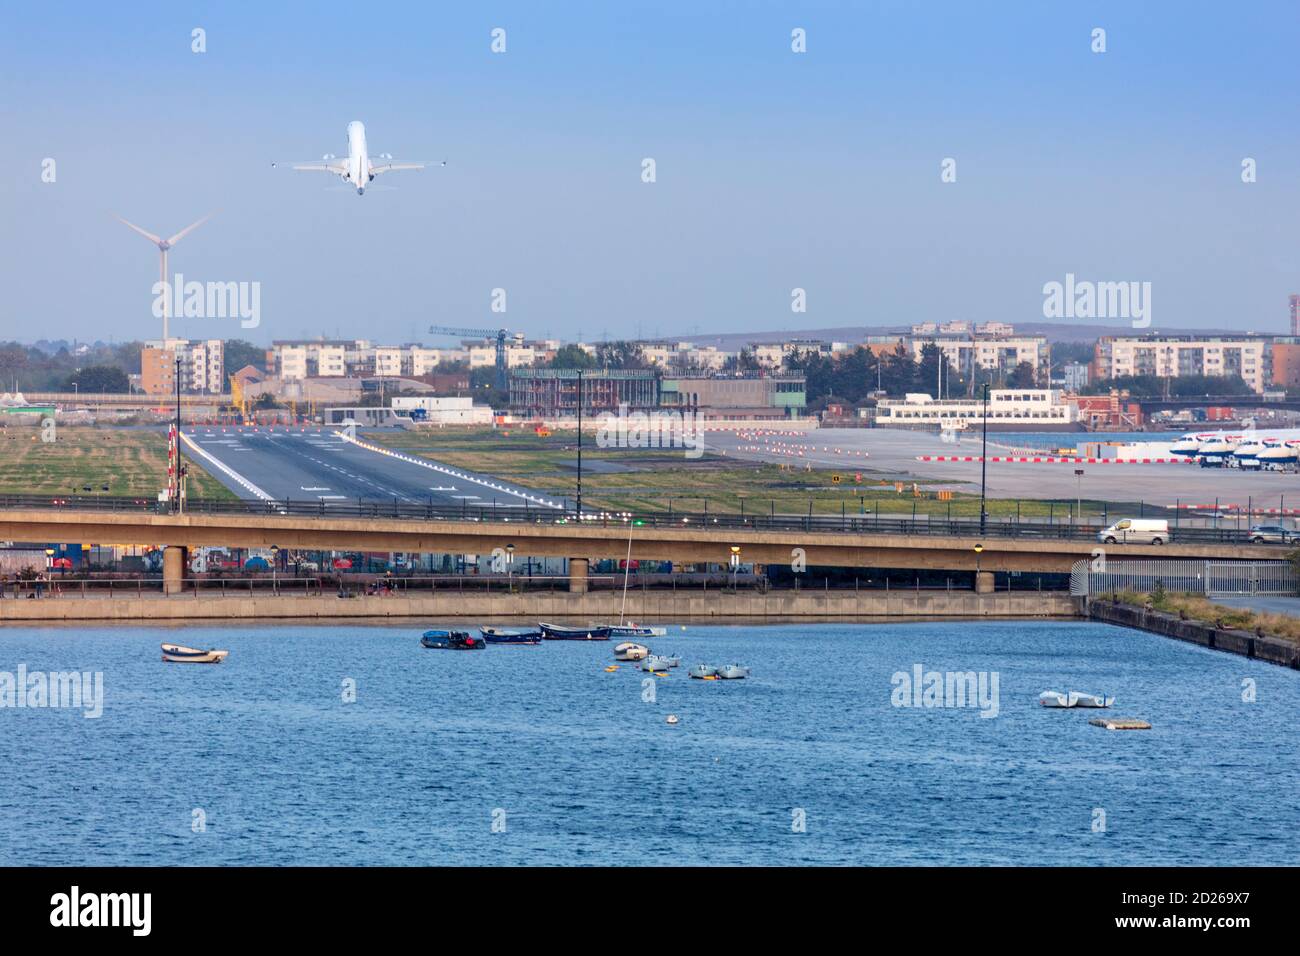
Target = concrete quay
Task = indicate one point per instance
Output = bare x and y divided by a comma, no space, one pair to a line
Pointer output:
773,607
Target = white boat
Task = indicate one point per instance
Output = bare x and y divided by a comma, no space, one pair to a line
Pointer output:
659,662
732,672
704,671
1051,698
1078,699
628,651
180,654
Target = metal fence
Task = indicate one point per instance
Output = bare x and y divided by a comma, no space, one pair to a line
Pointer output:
1100,576
525,512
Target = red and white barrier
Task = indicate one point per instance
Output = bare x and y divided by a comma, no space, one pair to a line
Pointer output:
1048,460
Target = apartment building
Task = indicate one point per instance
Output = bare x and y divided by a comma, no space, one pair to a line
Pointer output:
988,351
202,366
1172,356
1286,362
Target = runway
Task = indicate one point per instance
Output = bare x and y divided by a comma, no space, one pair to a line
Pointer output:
893,454
320,464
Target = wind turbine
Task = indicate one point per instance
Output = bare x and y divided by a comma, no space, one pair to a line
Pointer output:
163,245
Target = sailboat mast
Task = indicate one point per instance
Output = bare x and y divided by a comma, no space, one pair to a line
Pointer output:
627,567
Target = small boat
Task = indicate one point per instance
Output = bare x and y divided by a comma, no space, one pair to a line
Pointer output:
659,662
703,671
732,672
1078,699
558,632
1051,698
627,651
635,630
180,654
671,719
511,635
452,641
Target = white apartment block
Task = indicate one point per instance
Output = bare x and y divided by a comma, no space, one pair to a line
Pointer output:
388,361
992,352
1173,356
206,362
424,361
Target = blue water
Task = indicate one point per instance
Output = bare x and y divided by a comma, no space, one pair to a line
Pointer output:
586,772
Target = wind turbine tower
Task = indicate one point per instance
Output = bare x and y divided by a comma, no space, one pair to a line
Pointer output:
163,245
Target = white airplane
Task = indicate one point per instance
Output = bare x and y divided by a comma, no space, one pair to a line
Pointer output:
358,168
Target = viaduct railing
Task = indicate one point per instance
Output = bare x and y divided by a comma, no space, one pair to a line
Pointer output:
1011,526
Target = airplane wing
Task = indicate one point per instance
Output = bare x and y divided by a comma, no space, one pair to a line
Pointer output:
389,165
336,166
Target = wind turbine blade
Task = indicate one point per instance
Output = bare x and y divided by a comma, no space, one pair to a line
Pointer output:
188,229
148,235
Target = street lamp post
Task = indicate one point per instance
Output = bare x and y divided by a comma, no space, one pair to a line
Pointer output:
579,504
510,567
275,555
735,565
1078,495
979,549
984,462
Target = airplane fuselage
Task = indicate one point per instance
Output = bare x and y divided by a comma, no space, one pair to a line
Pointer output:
358,173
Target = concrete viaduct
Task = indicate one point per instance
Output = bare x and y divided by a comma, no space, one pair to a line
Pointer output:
581,543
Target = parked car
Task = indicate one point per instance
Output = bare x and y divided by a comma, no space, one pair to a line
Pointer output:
1272,534
1136,531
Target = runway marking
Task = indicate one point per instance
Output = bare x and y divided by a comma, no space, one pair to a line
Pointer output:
194,446
425,463
313,488
332,497
467,497
440,488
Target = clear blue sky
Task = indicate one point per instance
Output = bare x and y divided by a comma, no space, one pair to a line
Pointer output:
775,170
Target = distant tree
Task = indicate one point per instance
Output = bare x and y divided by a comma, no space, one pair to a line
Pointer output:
899,372
238,353
267,401
570,356
483,387
96,379
1180,386
624,355
1022,376
743,361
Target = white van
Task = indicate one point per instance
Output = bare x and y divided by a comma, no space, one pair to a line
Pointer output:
1136,531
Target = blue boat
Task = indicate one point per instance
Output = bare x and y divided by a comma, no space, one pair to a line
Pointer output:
452,641
558,632
511,635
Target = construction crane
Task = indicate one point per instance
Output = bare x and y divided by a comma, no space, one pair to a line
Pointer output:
500,335
237,398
